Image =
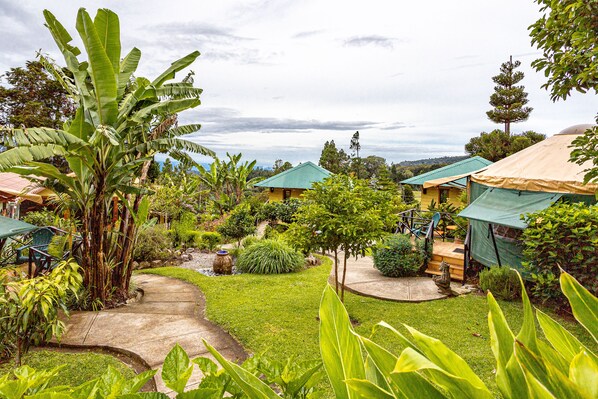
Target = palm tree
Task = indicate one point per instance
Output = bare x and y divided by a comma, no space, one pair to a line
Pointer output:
120,123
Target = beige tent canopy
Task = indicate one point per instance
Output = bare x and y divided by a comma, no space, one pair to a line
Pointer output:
15,187
543,167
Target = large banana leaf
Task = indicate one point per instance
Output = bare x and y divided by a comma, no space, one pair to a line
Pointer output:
108,28
174,68
340,348
561,339
104,108
127,67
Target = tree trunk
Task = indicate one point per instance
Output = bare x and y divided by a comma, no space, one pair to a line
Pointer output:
19,352
336,270
344,275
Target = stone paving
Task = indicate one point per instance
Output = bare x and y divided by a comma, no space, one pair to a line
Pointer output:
170,311
363,279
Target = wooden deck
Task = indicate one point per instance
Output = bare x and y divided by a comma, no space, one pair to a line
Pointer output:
451,253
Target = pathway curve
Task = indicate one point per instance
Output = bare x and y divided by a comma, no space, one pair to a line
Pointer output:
171,311
363,279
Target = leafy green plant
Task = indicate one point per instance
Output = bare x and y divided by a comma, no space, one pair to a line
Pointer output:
239,224
270,257
45,217
561,236
25,382
29,307
153,243
526,366
183,230
396,257
209,240
503,282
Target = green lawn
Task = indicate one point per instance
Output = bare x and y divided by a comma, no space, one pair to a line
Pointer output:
277,313
77,367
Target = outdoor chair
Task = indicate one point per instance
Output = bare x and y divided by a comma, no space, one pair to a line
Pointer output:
40,239
423,229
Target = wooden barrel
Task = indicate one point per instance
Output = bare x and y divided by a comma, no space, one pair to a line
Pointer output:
223,263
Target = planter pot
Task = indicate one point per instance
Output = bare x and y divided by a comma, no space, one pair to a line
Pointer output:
223,263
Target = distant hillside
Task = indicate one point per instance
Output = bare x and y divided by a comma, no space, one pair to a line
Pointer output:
434,161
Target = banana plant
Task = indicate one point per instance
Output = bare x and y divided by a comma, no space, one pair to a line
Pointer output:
120,123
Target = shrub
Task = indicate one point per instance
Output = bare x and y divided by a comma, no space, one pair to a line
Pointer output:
270,257
239,224
182,231
208,240
566,236
45,218
283,211
152,244
502,282
396,257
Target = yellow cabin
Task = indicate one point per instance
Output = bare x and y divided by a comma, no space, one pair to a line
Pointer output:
442,185
293,182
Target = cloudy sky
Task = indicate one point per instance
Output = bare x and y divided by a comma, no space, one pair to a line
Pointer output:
281,77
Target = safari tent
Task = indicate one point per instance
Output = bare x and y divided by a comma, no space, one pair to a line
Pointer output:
293,182
528,181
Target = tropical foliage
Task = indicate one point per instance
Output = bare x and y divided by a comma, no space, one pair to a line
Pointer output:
29,307
227,181
120,123
526,367
240,223
563,236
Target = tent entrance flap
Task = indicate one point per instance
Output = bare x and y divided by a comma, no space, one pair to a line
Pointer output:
505,207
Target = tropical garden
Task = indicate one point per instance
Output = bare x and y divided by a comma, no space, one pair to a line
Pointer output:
123,213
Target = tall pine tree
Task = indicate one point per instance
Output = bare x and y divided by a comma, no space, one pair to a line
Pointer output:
509,99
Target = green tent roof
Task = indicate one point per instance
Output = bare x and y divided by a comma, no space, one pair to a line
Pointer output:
12,227
301,176
458,168
505,207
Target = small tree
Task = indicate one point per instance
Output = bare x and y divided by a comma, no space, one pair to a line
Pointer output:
239,224
509,99
497,144
341,214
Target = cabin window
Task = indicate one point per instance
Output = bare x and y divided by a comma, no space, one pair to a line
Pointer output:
286,194
443,195
425,191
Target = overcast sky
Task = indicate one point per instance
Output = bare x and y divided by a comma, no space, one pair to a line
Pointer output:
281,77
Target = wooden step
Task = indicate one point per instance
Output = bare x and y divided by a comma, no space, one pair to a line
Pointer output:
456,270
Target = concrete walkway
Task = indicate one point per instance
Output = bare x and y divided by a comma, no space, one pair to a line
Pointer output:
170,312
363,279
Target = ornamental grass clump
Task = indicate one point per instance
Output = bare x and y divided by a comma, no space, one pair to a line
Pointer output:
270,257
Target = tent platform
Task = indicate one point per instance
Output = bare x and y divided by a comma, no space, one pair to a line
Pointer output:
451,253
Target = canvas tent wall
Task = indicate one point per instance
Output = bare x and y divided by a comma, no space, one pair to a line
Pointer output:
528,181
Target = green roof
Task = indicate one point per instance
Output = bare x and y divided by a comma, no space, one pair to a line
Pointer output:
301,176
468,165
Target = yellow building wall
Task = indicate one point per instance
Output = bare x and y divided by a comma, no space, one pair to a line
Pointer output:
433,193
277,194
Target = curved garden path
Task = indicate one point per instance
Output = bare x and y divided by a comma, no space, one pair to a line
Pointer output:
170,311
